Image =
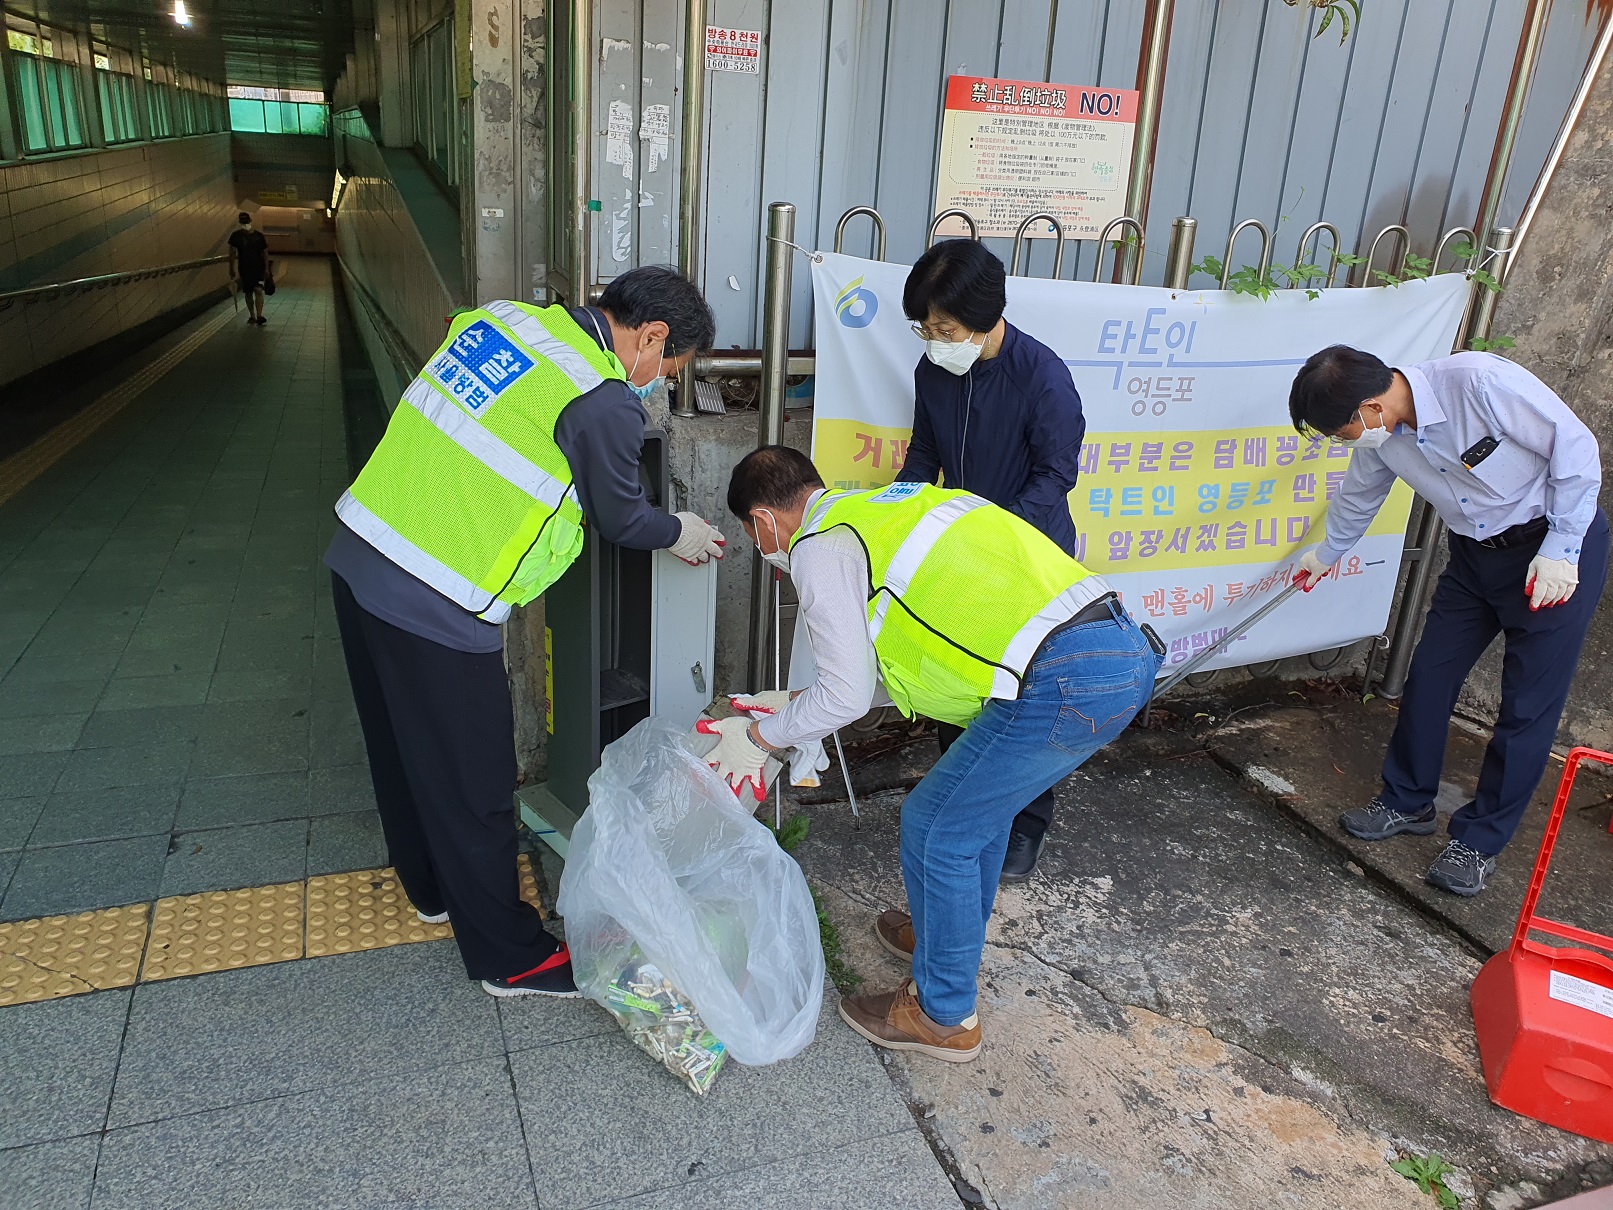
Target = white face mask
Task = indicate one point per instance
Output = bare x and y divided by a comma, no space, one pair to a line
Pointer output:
954,356
1370,438
780,558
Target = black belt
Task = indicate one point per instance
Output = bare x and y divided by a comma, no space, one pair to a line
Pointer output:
1529,531
1097,611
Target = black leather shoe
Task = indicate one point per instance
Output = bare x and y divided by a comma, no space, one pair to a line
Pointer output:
1020,862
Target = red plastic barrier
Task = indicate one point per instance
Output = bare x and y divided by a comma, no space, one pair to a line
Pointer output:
1544,1014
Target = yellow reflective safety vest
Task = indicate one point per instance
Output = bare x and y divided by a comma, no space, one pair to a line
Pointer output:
467,489
961,593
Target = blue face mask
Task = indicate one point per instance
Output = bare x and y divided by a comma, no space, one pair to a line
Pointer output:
648,389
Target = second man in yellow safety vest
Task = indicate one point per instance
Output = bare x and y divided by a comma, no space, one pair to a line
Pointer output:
524,424
973,617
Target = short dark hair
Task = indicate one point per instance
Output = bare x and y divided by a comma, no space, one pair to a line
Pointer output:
243,217
960,278
660,292
1332,385
774,476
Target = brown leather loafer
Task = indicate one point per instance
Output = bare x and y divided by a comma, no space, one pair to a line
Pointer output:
895,1021
895,933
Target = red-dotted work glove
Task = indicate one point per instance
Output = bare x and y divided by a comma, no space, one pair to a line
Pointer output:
1311,569
698,540
760,705
1550,581
737,758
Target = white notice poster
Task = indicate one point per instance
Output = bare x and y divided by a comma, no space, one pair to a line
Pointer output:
1012,148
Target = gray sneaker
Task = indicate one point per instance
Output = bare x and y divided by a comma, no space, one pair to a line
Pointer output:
1378,822
1460,870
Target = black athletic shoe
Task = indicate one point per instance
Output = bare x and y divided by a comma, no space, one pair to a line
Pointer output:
1020,861
1461,870
1378,822
551,977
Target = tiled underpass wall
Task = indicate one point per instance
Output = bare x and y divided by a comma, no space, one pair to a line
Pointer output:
112,211
383,253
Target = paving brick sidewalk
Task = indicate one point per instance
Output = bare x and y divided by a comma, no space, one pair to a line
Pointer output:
175,718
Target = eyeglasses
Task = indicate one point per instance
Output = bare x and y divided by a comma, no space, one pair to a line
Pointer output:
948,333
1311,433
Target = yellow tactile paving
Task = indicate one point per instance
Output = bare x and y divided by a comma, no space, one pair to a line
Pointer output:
222,930
529,884
68,955
364,910
58,956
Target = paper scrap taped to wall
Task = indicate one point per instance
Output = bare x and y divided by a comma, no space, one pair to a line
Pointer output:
656,130
1010,148
619,137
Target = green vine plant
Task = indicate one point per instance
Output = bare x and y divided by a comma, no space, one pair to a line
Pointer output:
1250,280
1342,9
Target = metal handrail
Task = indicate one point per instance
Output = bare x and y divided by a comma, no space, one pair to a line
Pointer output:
1472,240
1316,231
1058,247
105,279
935,225
879,228
1122,247
1265,248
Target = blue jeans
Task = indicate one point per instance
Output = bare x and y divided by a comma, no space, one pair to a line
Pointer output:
1079,692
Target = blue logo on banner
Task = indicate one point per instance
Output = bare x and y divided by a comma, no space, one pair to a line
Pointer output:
856,305
479,365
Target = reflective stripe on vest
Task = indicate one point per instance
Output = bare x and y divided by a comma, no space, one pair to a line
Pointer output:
540,340
418,563
1022,647
905,562
919,555
460,427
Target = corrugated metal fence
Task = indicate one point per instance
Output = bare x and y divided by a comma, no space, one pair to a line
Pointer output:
1259,119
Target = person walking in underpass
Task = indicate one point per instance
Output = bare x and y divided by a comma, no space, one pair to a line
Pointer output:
1515,476
996,413
527,421
971,616
249,265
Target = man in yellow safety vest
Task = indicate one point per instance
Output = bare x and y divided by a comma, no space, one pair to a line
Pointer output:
524,424
971,616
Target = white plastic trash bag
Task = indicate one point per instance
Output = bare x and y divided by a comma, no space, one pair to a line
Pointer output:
666,862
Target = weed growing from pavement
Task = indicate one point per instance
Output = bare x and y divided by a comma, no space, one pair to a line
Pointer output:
1429,1171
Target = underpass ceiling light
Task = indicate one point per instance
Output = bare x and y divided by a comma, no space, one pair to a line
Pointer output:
181,16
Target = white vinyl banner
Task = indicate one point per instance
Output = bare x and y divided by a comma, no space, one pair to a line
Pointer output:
1196,494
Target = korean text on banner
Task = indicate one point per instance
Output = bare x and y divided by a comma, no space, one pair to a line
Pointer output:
1196,494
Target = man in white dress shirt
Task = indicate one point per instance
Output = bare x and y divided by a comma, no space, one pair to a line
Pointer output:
1515,476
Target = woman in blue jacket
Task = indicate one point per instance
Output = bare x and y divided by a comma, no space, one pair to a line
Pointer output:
995,413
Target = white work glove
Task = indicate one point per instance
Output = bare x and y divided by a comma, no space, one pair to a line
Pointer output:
698,541
1550,581
760,705
1311,569
807,761
737,758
